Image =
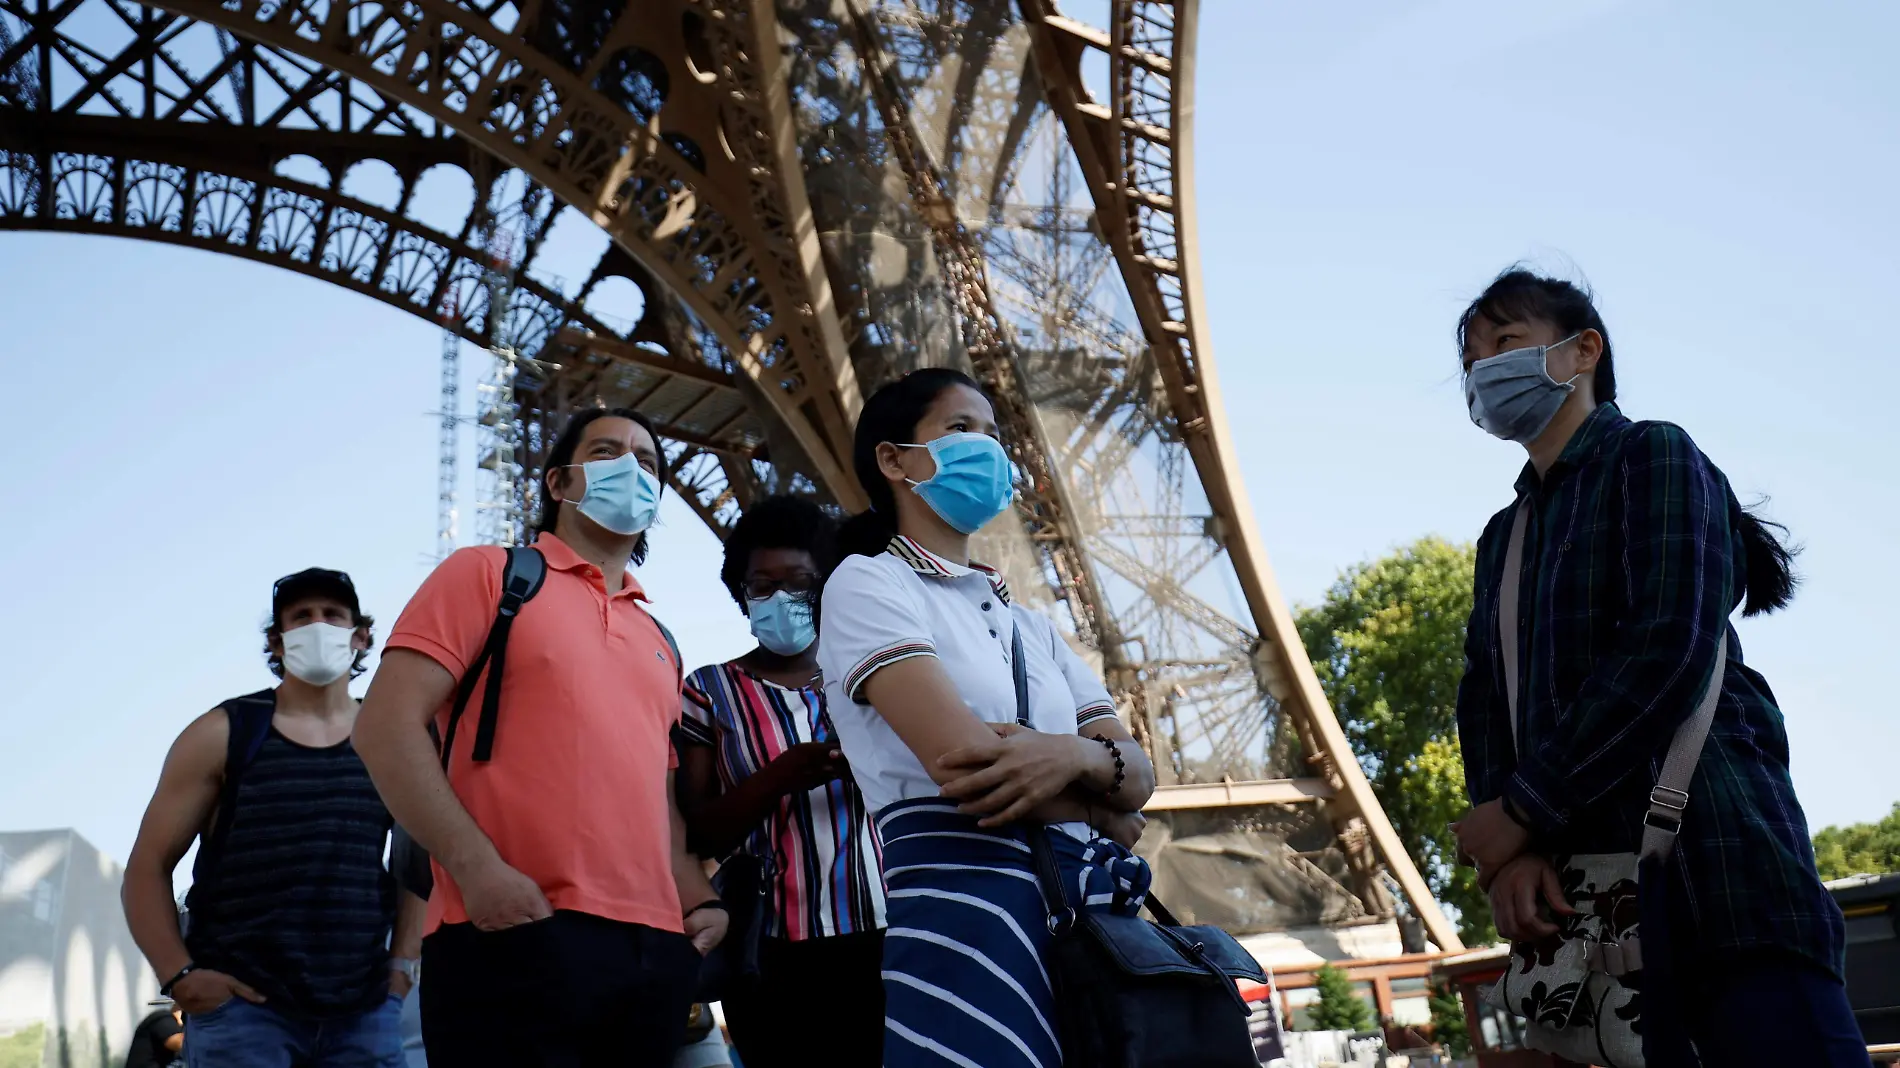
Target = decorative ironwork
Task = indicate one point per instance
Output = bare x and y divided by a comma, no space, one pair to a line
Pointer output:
808,200
596,103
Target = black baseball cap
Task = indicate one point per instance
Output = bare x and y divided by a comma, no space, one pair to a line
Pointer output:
313,582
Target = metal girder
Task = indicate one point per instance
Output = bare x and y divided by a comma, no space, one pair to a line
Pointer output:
1226,794
1136,155
195,185
171,130
1041,500
657,120
661,361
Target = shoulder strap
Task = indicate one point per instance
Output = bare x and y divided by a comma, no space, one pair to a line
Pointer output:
1055,897
1507,608
248,720
523,572
1020,671
679,661
1670,796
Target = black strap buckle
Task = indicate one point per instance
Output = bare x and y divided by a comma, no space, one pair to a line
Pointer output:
1669,798
1663,821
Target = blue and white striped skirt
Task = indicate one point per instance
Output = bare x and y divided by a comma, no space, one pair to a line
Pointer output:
964,982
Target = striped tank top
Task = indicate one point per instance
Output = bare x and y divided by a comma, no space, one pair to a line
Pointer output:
820,842
297,902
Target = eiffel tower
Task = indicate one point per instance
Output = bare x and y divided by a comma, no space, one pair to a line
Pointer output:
811,197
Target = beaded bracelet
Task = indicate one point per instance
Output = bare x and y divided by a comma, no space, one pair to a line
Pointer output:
1121,769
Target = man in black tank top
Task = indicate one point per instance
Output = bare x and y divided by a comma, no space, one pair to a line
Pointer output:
288,957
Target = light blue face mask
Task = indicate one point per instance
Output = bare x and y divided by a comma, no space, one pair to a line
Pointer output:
972,485
782,622
1512,396
621,495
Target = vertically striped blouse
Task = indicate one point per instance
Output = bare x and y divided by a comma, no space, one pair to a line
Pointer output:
820,842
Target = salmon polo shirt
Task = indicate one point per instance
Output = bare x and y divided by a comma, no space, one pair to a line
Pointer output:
574,795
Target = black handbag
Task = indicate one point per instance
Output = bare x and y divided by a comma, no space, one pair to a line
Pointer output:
744,883
1134,994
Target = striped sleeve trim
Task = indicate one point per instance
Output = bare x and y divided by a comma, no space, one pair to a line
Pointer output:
1090,713
855,678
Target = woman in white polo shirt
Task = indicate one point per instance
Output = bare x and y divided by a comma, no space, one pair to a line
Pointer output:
915,645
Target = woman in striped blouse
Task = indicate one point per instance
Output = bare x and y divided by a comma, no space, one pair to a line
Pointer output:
761,774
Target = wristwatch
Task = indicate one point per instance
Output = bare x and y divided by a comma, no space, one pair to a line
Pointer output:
410,967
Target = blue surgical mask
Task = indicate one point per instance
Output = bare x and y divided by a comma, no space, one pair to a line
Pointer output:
782,622
1512,396
972,483
621,495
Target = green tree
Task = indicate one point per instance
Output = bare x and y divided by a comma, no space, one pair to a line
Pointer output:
1449,1029
1860,848
1338,1008
25,1048
1388,643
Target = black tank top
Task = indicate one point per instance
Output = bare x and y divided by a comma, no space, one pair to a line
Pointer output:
297,902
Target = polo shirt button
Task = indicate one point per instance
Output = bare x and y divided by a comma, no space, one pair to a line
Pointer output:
992,634
986,606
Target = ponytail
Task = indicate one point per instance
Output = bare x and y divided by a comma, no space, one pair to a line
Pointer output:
1770,579
866,534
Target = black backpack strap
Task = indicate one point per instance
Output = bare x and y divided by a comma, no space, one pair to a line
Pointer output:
521,577
249,718
679,662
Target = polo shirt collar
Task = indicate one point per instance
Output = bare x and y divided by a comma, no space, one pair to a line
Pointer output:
1582,445
925,562
561,557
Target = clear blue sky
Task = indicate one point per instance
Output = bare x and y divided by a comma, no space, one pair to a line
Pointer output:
188,427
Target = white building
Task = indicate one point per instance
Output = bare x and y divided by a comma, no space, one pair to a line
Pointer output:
72,983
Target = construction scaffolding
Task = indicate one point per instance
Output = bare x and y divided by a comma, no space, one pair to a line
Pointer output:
506,481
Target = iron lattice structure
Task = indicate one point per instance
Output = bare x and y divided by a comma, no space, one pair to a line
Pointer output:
810,197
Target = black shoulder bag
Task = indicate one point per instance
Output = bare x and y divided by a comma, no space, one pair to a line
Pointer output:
1134,994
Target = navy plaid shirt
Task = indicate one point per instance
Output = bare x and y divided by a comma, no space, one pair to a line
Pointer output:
1633,563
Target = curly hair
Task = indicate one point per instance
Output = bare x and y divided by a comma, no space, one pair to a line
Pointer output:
780,522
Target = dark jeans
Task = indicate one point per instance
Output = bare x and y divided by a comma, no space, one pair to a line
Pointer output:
571,991
1770,1010
240,1034
819,994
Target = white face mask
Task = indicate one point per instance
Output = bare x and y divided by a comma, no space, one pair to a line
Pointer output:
319,653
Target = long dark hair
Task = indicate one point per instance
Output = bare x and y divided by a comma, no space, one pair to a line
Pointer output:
1520,294
892,415
563,454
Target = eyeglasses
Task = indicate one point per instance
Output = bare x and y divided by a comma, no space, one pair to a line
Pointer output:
804,584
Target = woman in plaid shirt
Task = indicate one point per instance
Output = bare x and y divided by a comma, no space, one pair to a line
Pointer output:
1636,554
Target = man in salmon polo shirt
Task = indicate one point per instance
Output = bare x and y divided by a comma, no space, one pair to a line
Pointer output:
567,919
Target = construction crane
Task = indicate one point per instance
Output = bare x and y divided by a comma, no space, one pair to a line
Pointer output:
505,501
449,429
